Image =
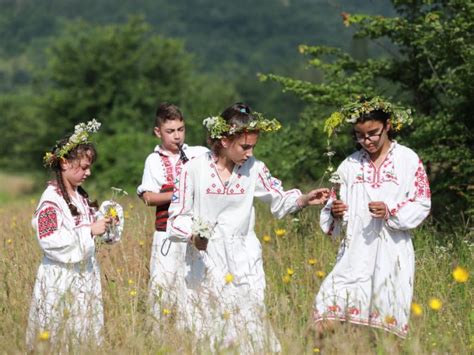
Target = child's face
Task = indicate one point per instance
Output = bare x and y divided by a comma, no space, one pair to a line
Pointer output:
241,148
372,135
75,172
171,133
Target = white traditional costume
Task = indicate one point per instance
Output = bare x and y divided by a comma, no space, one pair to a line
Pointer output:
372,281
226,283
67,297
160,172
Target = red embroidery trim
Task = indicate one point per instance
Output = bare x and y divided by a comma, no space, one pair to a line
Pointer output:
47,222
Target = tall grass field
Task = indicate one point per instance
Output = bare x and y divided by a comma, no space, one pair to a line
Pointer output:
297,256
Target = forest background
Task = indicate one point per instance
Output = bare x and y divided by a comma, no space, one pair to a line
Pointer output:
67,61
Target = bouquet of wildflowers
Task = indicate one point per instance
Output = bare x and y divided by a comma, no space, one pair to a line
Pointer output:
202,228
112,209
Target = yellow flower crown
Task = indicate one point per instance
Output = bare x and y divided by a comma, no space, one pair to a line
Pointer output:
218,128
80,136
349,113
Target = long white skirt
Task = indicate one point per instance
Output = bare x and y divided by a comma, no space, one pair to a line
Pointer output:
225,302
67,303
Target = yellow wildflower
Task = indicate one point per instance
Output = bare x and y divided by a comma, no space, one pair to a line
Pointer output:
226,315
286,279
290,271
435,304
316,350
280,232
416,309
131,282
320,274
312,261
112,212
166,311
9,241
126,215
44,335
460,274
133,293
390,320
229,278
141,243
267,238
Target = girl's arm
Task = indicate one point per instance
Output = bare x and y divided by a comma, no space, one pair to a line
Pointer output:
270,190
408,214
181,208
58,242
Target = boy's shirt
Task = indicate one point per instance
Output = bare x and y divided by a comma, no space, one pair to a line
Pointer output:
159,175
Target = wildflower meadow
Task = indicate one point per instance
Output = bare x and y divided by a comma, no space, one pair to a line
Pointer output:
297,257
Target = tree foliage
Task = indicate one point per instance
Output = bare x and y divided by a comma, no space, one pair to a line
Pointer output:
117,74
427,63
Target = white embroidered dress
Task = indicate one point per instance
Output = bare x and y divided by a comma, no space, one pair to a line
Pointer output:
166,287
372,281
227,310
67,297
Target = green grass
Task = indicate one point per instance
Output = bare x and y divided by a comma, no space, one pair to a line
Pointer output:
303,249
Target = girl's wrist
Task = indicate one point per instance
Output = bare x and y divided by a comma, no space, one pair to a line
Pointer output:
302,201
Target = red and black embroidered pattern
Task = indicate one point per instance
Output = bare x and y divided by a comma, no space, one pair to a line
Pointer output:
47,222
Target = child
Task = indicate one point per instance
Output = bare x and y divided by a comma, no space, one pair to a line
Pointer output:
384,192
226,283
161,169
67,299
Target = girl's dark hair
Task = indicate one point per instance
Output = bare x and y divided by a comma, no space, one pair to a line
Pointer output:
79,151
375,115
236,115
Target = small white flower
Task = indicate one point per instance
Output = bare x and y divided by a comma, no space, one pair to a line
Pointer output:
330,153
335,178
209,122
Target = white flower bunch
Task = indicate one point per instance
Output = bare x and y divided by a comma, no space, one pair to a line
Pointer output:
202,228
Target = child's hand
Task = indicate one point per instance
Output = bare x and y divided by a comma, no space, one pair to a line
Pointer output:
338,208
199,243
378,209
100,227
314,197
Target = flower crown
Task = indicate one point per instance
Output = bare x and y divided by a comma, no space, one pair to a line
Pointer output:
349,113
80,136
218,127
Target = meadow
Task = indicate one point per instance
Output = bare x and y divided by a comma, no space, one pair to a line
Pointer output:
297,257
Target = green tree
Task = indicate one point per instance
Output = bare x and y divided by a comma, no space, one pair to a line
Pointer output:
425,62
117,74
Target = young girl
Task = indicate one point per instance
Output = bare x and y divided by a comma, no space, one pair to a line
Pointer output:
67,299
224,274
384,193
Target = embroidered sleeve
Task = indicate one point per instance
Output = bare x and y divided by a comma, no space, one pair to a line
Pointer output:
47,222
181,208
59,236
410,212
270,190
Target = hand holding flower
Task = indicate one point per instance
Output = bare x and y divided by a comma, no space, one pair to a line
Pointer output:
378,209
314,197
338,208
199,243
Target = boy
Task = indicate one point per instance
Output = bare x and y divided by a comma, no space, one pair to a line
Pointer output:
162,168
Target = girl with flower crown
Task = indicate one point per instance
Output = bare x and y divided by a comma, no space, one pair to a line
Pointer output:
67,299
384,193
212,211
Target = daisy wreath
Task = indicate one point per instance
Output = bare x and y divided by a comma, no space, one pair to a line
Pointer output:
218,128
80,136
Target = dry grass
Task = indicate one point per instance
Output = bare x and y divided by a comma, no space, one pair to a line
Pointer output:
303,249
